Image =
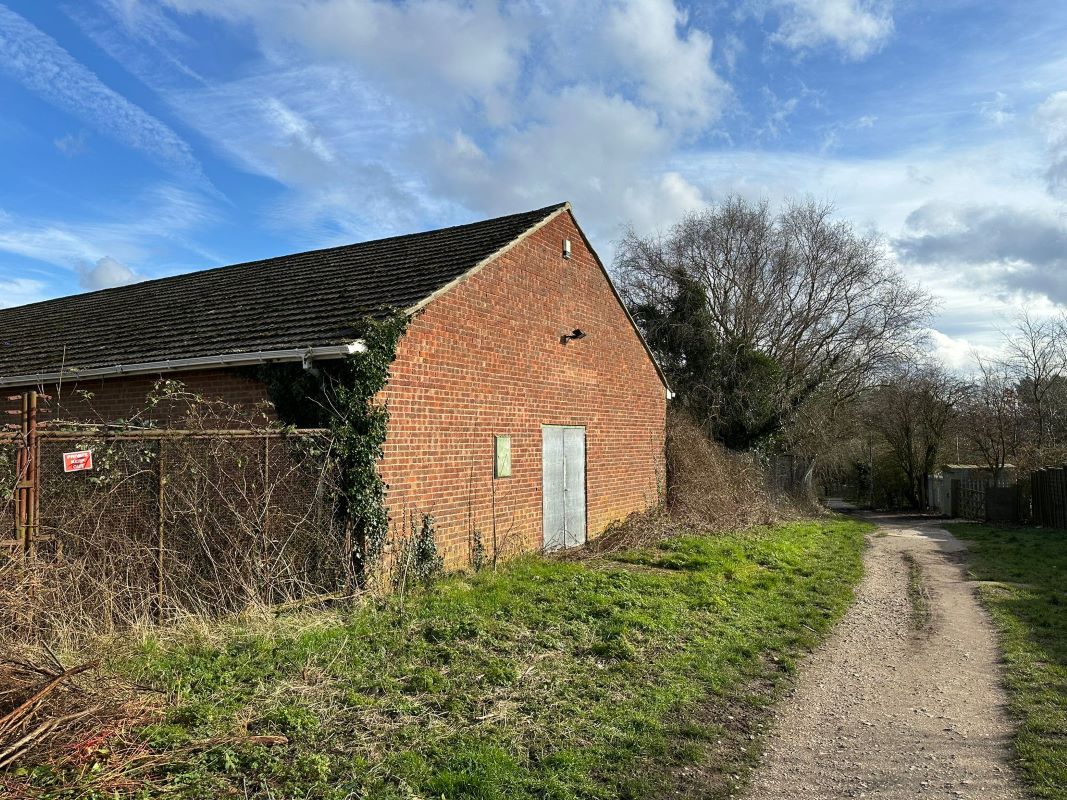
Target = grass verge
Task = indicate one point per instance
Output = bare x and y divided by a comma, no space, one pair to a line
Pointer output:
616,677
918,597
1024,575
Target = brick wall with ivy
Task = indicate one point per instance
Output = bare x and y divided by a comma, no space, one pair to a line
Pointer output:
485,359
481,360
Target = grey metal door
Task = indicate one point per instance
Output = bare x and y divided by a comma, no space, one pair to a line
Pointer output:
563,465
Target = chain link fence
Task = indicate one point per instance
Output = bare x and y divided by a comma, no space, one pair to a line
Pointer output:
170,522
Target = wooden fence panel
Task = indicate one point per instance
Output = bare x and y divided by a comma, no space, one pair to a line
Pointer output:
1049,497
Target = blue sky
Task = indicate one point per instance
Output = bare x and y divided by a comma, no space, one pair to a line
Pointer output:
144,138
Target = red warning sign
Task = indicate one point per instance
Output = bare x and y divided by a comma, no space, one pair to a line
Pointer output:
78,461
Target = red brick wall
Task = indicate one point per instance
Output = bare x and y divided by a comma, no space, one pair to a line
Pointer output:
110,399
485,358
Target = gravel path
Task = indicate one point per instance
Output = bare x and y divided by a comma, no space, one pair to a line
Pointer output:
897,704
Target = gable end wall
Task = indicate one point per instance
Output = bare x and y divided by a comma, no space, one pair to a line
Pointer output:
485,358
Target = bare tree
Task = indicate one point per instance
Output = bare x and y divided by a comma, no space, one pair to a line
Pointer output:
1036,358
993,417
912,412
755,313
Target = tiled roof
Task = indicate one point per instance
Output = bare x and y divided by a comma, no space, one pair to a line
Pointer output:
297,301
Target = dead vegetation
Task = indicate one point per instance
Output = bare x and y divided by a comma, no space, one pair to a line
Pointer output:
72,719
77,727
227,513
709,489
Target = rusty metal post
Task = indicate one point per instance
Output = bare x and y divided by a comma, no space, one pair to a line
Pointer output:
266,484
33,501
26,501
20,475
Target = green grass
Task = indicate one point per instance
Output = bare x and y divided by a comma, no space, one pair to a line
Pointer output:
545,679
918,597
1026,594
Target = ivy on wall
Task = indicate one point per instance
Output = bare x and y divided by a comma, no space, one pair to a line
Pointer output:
339,395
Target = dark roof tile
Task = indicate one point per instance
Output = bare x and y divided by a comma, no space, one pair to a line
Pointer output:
302,300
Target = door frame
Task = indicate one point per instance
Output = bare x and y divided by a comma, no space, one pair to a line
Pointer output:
585,480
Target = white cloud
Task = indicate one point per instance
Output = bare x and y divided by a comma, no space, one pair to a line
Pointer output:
378,115
138,229
43,240
958,353
435,50
999,110
297,126
445,54
885,194
38,62
1052,116
565,154
19,291
780,111
858,28
881,191
71,145
673,70
107,273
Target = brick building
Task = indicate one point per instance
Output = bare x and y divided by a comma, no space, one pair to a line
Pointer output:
523,401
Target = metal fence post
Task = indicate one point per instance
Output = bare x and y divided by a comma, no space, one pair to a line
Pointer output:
27,502
21,475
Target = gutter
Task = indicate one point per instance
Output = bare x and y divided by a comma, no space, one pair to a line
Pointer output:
305,355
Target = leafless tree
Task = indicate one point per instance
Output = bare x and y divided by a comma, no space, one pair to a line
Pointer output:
993,417
1036,358
756,312
912,412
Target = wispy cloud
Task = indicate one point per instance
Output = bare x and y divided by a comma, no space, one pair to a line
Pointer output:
134,231
998,110
336,143
857,28
19,291
375,119
1052,116
40,64
72,144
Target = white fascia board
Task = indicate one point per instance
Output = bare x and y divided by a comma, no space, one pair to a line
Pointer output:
186,364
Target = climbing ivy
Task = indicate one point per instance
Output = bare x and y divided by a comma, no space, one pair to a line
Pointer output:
359,427
339,395
417,558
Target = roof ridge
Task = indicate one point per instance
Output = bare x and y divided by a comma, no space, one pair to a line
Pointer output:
537,213
302,300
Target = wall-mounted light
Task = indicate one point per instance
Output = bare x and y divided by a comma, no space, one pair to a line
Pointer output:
566,248
574,335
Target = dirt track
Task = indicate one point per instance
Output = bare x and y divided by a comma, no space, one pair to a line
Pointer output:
897,704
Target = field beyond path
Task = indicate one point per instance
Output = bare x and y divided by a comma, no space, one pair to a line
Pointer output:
905,698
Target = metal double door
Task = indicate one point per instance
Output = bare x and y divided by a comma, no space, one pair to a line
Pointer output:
563,466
